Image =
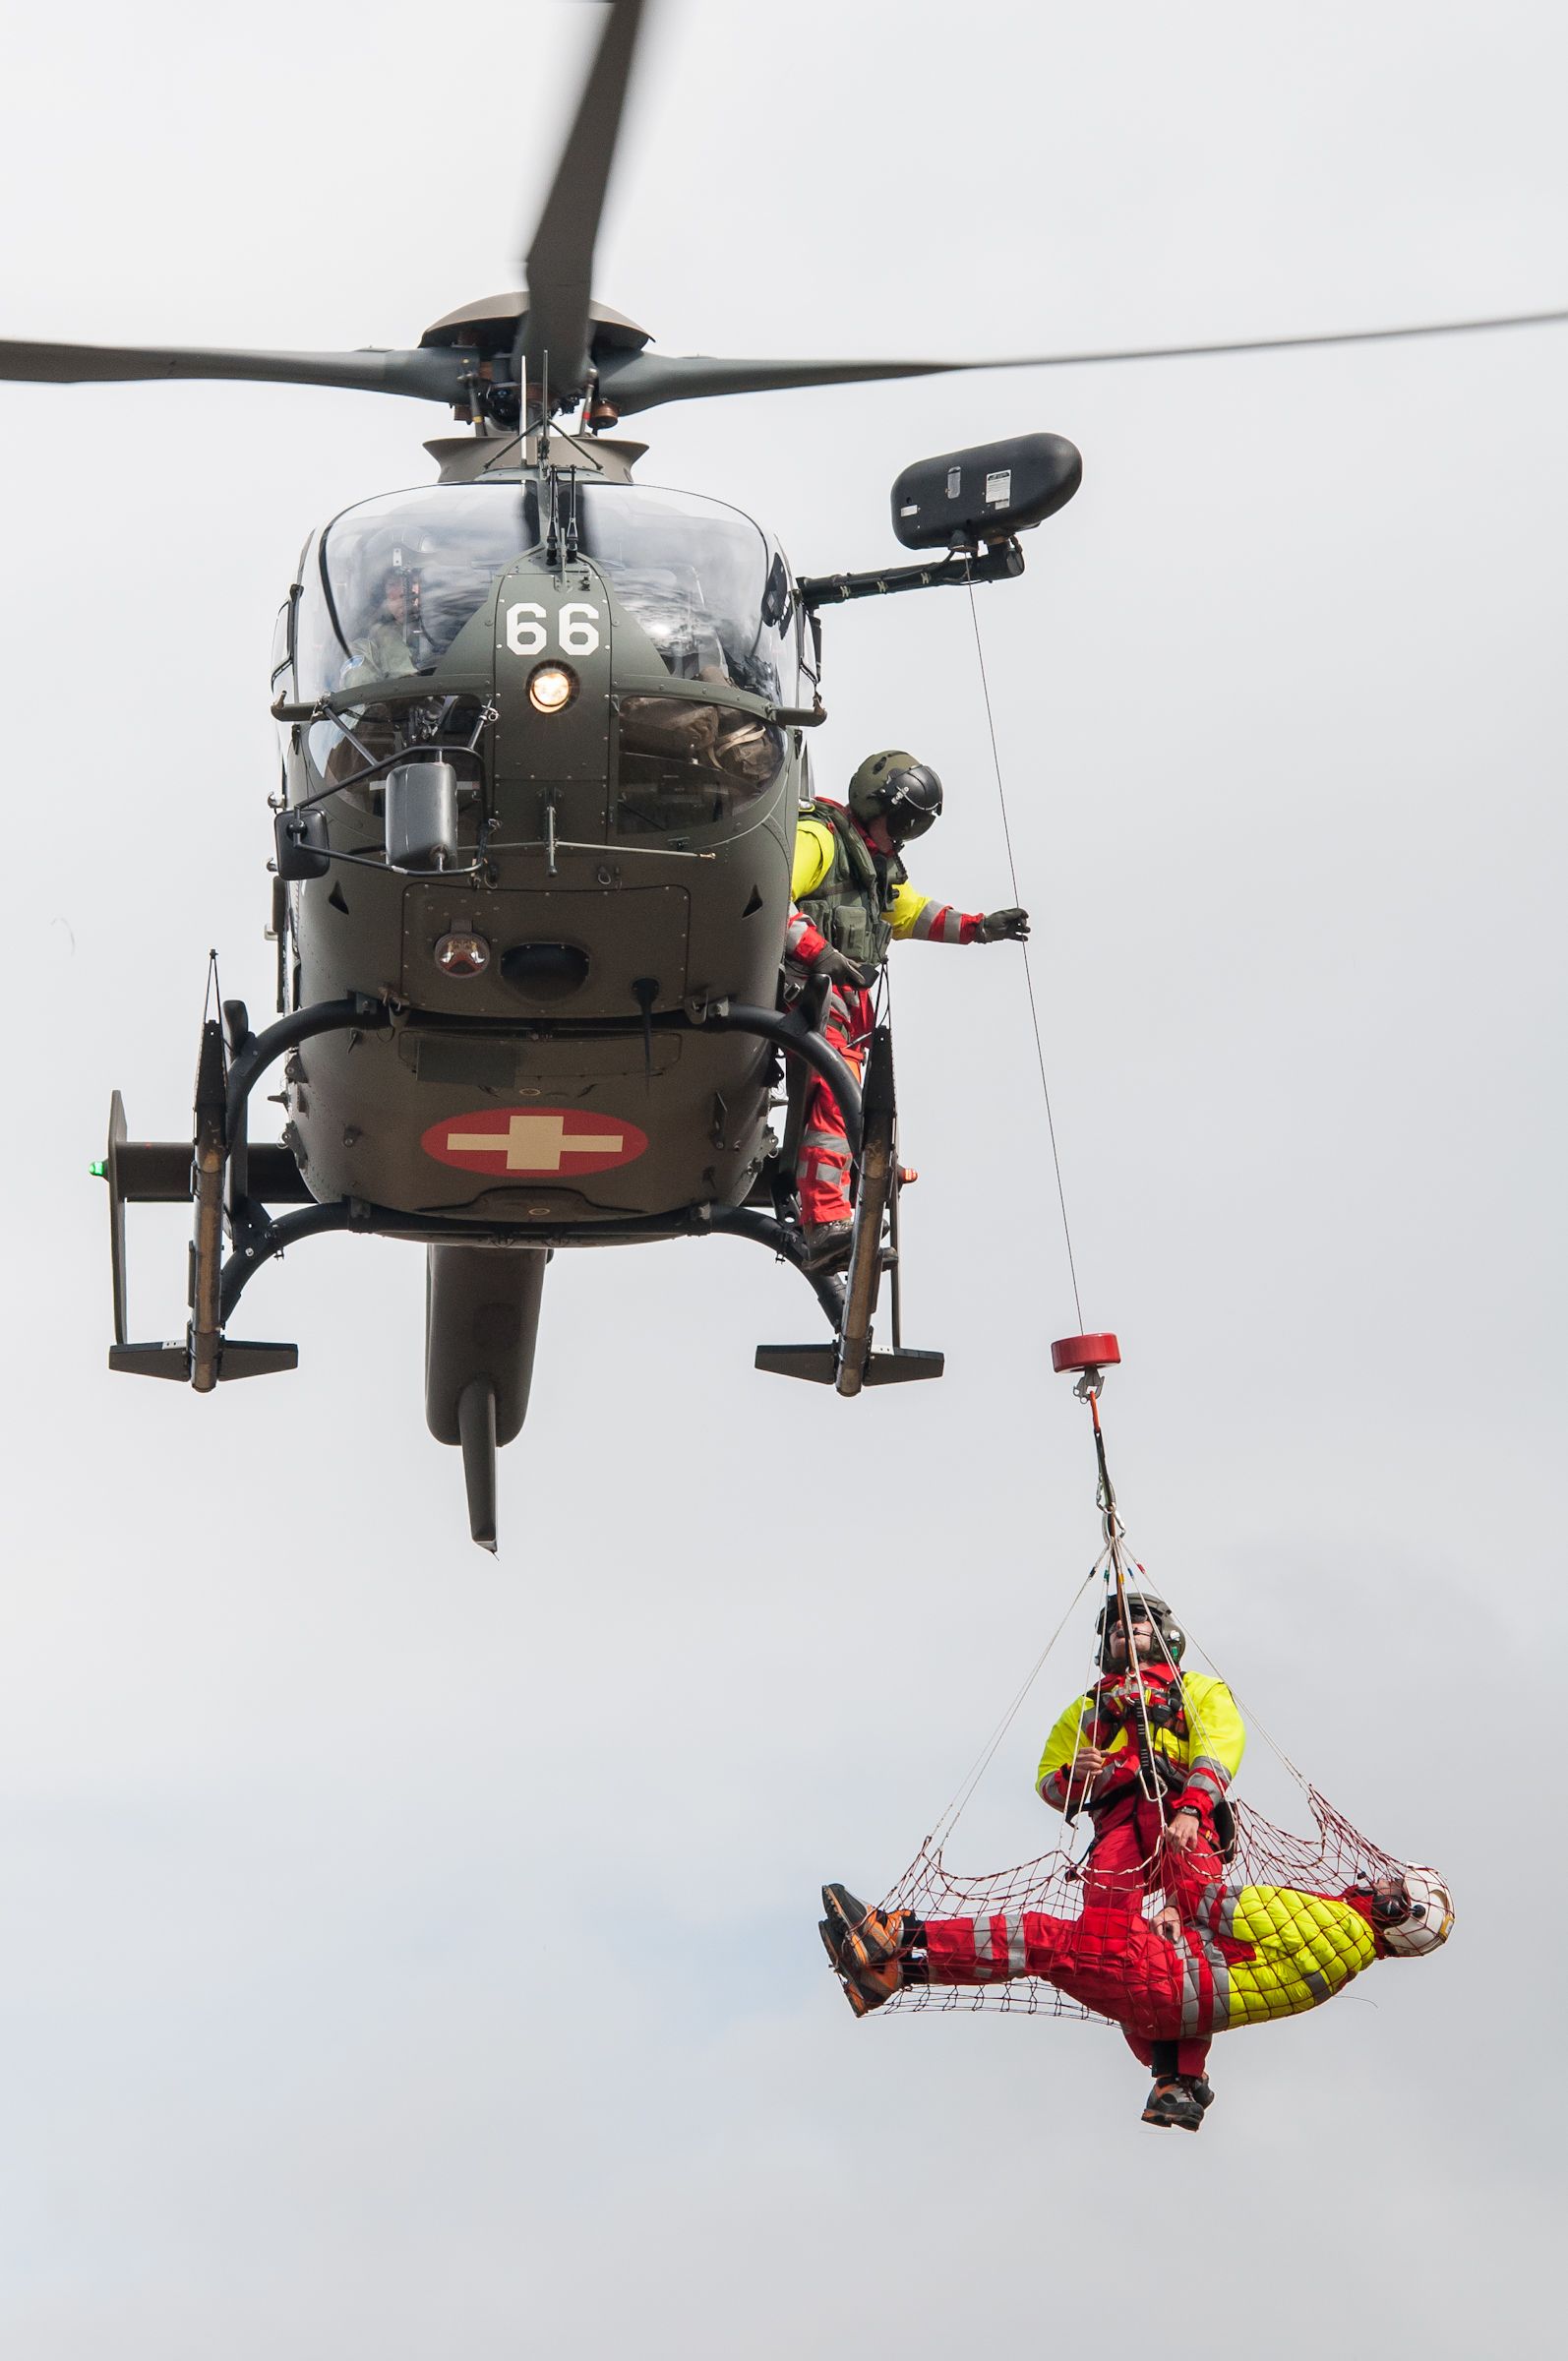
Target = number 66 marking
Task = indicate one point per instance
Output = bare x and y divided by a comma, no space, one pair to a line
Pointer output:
528,629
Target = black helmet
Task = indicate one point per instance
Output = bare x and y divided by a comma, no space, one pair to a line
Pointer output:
894,787
1143,1606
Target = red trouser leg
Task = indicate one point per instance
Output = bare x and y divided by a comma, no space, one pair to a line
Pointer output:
1128,1858
1190,2056
1110,1961
823,1172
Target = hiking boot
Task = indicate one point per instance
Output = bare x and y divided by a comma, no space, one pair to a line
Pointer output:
868,1938
827,1244
1177,2100
865,1988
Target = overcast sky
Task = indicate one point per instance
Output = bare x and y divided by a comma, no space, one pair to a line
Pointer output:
409,1952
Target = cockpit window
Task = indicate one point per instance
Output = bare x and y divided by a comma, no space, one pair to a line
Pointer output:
395,579
391,584
704,582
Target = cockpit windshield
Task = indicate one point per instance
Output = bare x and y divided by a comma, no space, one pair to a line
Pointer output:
391,584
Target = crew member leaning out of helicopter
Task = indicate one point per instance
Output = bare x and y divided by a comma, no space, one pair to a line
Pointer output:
1151,1753
853,898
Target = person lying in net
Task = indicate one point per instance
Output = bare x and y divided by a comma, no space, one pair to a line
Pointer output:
1240,1955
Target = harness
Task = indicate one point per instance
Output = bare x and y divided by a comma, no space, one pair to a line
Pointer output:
1164,1707
847,908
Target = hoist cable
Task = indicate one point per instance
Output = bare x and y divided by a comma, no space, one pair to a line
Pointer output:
1029,981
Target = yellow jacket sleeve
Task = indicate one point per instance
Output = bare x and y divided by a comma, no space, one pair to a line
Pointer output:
903,911
813,857
1216,1739
916,917
1051,1780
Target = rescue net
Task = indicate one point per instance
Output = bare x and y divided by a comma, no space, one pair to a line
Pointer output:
1333,1859
1228,1919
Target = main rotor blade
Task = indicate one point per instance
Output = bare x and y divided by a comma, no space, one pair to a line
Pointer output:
427,375
560,262
646,379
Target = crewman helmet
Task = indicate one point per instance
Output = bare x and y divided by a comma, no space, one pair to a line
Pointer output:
894,787
1426,1919
1143,1606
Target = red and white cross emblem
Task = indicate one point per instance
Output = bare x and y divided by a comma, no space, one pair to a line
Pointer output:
533,1143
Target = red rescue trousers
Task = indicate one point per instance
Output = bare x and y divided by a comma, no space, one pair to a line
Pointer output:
1111,1960
1112,1942
1129,1857
822,1173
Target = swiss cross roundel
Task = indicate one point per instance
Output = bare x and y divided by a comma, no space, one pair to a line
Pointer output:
533,1143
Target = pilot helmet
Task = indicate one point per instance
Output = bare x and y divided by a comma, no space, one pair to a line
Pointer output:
894,787
1143,1606
390,558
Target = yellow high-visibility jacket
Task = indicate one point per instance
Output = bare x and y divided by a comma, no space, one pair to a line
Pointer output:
905,915
1301,1950
1204,1735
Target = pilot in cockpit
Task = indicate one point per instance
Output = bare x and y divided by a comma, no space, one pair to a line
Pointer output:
389,643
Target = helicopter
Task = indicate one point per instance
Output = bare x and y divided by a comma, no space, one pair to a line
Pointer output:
543,736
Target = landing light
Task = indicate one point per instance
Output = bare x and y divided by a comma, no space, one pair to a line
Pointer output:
552,688
462,954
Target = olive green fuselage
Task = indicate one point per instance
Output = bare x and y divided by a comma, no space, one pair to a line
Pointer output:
621,884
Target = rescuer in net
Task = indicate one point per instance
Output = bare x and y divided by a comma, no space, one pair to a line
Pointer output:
1150,1753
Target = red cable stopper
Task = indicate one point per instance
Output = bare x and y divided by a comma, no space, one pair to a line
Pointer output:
1084,1352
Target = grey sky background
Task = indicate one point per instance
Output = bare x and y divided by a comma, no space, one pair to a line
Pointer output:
407,1953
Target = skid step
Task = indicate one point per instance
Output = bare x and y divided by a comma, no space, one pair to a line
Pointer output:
818,1365
236,1358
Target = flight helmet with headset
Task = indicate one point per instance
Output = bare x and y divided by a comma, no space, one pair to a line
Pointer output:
894,787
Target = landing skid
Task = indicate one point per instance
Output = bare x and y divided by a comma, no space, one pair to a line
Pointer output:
484,1278
849,1362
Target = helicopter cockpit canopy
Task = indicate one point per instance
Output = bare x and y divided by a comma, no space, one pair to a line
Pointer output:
388,584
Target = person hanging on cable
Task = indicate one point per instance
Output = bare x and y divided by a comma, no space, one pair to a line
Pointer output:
853,898
1241,1954
1150,1754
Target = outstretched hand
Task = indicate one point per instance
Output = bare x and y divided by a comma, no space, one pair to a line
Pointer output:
1004,926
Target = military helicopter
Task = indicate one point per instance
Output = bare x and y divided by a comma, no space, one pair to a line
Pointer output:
545,733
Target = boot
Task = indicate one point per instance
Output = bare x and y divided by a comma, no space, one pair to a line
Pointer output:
827,1244
865,1988
868,1938
1178,2101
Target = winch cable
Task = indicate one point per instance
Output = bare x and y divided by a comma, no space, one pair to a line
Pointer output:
1149,1781
1029,981
1102,1566
1112,1564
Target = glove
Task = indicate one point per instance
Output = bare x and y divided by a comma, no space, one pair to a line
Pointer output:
1004,926
834,965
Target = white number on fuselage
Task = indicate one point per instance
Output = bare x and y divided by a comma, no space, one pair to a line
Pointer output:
528,629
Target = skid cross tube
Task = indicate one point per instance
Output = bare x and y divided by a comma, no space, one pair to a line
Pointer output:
792,1033
220,1161
357,1012
354,1214
222,1283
